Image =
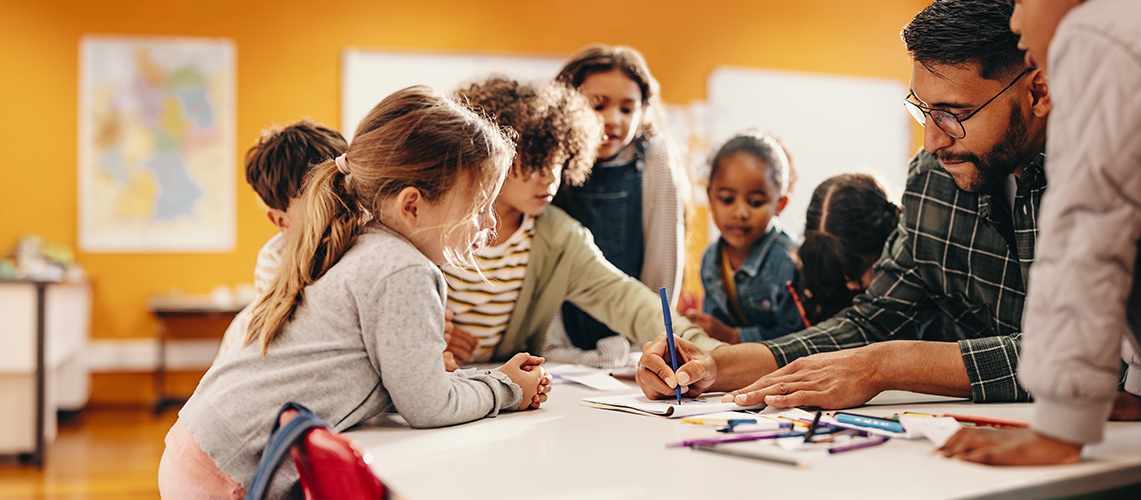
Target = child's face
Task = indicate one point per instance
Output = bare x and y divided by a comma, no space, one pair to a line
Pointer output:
440,225
528,193
1036,21
619,100
743,198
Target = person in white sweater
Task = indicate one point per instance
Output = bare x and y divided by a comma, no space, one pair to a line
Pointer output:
1083,306
353,323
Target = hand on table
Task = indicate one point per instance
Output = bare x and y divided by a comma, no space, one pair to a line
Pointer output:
461,344
544,380
1010,447
450,362
525,370
832,380
1126,407
714,327
697,371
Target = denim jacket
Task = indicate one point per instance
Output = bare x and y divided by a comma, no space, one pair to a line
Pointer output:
761,291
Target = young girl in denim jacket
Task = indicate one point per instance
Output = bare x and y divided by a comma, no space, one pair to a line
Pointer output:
746,271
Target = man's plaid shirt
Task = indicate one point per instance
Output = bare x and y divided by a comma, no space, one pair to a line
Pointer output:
955,253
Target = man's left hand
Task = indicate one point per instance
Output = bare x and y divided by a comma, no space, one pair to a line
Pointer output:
832,380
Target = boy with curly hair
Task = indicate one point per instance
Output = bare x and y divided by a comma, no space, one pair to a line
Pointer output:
540,256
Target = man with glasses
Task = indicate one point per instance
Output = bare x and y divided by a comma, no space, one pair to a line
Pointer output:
963,247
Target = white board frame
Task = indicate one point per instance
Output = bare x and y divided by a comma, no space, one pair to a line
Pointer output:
369,75
806,111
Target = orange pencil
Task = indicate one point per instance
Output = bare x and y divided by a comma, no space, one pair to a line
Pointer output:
799,305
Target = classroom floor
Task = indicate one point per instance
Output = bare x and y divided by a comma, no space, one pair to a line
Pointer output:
101,453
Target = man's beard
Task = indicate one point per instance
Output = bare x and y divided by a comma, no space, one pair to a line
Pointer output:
995,165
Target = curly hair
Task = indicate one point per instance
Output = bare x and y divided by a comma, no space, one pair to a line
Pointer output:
557,126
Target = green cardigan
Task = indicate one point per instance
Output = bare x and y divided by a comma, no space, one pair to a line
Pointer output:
565,265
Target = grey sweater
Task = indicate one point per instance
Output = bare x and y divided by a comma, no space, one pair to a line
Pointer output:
367,338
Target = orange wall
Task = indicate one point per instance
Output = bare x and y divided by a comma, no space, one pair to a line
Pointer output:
288,54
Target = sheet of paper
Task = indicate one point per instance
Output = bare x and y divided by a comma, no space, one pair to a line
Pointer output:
701,405
936,429
594,378
600,381
908,398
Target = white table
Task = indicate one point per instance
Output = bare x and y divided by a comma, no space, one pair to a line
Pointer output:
565,450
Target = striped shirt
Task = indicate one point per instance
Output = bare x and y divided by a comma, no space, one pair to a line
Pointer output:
483,308
269,260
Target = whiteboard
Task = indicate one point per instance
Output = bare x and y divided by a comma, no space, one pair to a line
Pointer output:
831,125
368,76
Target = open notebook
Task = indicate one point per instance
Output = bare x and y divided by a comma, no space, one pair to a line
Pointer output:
640,404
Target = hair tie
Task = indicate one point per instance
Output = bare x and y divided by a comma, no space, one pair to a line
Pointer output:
342,164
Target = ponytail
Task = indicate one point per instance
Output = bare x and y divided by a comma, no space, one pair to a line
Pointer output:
414,138
846,225
332,221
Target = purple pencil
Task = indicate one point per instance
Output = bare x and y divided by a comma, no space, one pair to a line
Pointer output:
736,438
855,446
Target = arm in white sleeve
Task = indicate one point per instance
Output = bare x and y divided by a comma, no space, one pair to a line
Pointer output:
1090,221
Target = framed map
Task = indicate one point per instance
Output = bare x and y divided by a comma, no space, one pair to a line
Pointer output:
156,144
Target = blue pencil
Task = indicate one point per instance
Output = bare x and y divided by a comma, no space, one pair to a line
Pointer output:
670,340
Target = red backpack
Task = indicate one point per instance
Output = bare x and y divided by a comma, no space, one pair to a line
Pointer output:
331,466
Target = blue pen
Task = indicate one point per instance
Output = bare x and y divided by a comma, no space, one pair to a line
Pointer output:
861,420
670,340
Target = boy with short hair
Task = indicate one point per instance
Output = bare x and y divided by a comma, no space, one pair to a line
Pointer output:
276,166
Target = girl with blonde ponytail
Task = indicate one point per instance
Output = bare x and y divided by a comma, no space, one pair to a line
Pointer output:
359,295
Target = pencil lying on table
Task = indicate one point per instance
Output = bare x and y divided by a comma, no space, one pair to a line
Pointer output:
990,421
767,457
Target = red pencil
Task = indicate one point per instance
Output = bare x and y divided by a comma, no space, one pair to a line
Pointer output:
799,305
990,421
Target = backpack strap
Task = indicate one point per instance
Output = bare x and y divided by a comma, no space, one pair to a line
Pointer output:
281,438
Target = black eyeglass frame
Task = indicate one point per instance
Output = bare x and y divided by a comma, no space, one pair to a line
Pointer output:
928,111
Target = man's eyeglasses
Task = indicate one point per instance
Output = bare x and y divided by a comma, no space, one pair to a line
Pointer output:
946,121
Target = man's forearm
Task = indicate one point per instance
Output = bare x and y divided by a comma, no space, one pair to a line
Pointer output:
739,365
922,366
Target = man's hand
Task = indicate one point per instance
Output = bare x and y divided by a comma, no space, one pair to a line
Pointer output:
1126,407
697,372
714,327
462,345
1010,447
832,380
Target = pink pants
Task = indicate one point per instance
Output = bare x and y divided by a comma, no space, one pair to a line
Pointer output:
187,473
